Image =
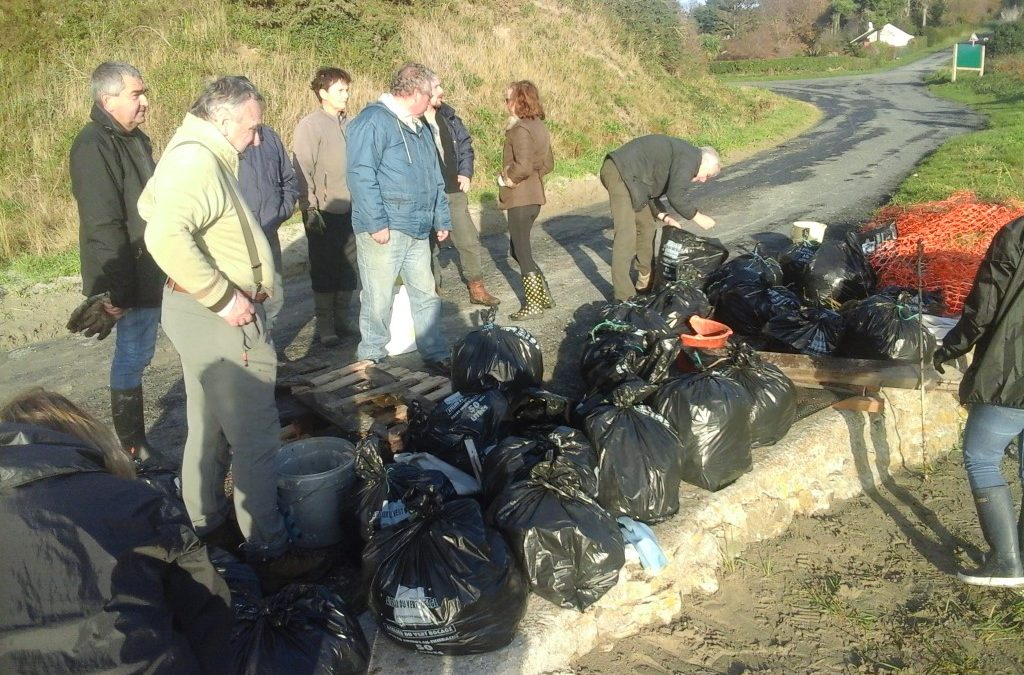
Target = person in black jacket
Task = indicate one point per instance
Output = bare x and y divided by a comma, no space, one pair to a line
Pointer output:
993,390
455,155
640,177
111,160
102,572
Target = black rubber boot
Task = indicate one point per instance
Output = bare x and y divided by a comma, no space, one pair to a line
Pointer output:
323,306
127,411
1002,565
533,289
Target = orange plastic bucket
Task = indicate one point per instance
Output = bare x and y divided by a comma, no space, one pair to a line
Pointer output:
709,334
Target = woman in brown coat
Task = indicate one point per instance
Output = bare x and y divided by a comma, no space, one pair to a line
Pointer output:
526,160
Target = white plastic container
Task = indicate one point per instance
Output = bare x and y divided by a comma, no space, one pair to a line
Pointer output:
808,230
403,335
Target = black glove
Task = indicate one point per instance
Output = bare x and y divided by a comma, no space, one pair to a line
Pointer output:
314,221
91,318
938,358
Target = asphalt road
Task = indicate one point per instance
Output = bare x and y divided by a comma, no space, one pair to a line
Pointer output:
875,129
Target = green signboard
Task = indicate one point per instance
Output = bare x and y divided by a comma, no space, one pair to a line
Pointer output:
969,56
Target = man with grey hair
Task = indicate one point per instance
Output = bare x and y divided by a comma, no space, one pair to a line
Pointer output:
220,270
111,160
398,196
640,177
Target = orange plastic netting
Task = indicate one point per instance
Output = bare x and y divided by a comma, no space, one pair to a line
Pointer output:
956,232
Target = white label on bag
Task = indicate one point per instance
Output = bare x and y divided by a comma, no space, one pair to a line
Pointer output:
393,513
412,607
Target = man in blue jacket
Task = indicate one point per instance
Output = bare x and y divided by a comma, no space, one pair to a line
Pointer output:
398,197
269,186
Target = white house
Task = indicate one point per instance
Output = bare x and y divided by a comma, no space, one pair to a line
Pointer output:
887,34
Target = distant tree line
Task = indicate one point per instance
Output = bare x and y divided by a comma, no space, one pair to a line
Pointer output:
778,28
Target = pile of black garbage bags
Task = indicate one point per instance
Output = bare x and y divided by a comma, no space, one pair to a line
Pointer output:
818,299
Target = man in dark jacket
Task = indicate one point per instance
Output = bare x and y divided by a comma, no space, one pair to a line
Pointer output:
102,573
455,155
270,188
111,160
640,177
993,389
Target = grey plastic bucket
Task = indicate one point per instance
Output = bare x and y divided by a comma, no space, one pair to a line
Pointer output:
315,480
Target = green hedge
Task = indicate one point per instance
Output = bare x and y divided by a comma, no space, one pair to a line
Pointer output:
793,64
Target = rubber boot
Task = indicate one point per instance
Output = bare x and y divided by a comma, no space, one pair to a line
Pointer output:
478,294
1002,565
128,413
533,289
346,319
548,302
323,304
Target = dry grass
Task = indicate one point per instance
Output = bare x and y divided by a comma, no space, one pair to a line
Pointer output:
597,95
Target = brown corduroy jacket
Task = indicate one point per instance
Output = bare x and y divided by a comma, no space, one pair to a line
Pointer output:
527,158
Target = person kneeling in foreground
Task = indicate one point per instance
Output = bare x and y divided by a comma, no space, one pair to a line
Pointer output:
103,572
993,325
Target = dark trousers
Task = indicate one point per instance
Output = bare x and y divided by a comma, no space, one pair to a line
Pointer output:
332,255
520,223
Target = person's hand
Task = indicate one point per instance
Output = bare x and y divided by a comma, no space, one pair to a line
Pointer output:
464,182
706,222
442,235
670,221
115,312
91,317
314,221
938,358
381,236
243,312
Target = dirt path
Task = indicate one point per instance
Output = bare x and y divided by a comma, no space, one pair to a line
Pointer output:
867,588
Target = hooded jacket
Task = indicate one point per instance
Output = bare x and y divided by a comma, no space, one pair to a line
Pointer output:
393,174
992,324
109,168
658,166
100,573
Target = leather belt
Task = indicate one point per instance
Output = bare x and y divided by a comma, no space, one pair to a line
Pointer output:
259,298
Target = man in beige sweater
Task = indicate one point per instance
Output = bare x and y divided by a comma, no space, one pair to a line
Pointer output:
220,270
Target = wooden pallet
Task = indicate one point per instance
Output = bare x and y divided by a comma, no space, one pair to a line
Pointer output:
363,398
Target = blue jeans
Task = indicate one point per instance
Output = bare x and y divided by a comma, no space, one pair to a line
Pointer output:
134,345
989,429
379,266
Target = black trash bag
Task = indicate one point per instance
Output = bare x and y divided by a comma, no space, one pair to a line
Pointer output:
685,255
164,480
744,306
496,357
613,353
885,327
933,301
794,261
677,301
512,459
773,395
539,406
638,455
569,547
443,431
636,313
814,331
246,591
837,272
715,409
748,268
443,582
382,487
305,628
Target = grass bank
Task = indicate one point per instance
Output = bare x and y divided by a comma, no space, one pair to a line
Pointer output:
989,162
599,90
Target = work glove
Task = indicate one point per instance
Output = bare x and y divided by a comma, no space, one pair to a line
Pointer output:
938,358
314,221
91,318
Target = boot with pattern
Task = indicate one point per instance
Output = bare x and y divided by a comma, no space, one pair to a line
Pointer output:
533,289
548,302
